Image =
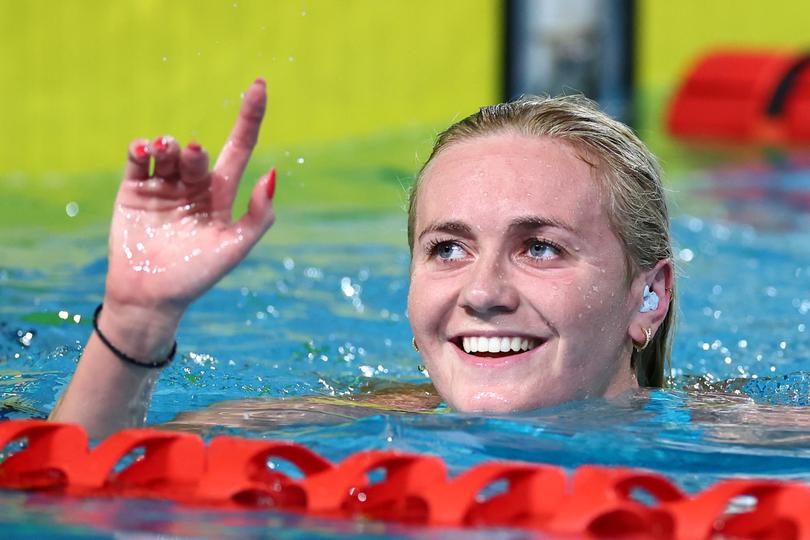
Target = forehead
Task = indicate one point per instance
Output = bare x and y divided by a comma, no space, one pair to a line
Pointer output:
496,177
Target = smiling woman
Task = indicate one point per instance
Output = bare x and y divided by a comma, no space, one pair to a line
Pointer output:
540,259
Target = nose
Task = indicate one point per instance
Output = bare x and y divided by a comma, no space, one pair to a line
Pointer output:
488,289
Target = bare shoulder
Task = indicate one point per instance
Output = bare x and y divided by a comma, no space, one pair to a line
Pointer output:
262,414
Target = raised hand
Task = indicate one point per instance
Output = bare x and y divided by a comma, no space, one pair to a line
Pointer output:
171,239
172,236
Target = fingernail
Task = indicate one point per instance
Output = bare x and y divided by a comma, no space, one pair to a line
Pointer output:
260,81
141,150
194,147
271,183
161,144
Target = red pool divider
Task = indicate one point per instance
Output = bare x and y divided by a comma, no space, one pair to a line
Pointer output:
594,502
744,96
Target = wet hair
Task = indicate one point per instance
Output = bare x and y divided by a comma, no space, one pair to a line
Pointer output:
629,177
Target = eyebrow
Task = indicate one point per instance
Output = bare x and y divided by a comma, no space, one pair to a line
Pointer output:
448,227
537,222
520,223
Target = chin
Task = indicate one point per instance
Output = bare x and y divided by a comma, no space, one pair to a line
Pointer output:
505,401
493,401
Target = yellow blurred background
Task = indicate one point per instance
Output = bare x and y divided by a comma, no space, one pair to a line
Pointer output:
354,85
671,35
81,78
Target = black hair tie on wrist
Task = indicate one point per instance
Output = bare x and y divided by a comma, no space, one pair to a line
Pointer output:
123,356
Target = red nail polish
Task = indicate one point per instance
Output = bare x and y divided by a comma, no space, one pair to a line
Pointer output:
160,144
260,81
194,147
141,150
271,183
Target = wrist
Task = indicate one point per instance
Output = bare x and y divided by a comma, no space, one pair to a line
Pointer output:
147,334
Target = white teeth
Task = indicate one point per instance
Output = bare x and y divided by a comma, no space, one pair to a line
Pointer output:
473,344
470,345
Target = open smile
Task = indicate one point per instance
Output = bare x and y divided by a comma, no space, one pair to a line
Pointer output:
495,350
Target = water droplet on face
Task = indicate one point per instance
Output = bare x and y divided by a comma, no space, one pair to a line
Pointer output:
291,58
165,58
300,161
72,209
303,13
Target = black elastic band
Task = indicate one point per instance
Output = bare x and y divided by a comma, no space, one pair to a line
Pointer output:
786,85
123,356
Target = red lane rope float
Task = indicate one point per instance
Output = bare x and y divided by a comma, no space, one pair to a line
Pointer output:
594,502
744,96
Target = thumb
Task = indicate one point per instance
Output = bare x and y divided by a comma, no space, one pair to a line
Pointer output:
260,215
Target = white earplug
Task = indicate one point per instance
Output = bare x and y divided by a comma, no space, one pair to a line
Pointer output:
649,300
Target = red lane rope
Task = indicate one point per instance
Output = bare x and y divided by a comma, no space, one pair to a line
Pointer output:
593,502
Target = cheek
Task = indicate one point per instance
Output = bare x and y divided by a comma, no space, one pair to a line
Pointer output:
424,301
586,301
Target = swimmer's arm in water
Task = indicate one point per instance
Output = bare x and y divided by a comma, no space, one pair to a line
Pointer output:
171,239
269,414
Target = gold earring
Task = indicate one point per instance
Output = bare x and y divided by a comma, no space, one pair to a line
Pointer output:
415,346
647,339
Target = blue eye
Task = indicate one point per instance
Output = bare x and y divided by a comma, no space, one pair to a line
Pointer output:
539,249
448,251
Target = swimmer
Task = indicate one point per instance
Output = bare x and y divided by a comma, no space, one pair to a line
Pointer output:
541,261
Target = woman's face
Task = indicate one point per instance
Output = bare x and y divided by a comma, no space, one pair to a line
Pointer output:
519,295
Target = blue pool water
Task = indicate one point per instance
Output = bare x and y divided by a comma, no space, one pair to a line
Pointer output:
316,310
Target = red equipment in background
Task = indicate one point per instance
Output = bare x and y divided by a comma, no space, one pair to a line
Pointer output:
760,97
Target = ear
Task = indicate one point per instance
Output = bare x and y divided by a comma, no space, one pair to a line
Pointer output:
660,280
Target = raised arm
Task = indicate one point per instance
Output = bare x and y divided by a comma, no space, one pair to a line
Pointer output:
171,239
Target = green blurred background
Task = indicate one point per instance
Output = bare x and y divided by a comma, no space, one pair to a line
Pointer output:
357,88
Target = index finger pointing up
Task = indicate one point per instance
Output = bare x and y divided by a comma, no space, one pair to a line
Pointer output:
235,154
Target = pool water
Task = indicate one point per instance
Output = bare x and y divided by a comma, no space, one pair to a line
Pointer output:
324,315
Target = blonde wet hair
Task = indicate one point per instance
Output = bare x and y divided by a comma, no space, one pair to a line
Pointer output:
629,175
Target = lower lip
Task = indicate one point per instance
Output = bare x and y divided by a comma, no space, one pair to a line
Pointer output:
495,361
